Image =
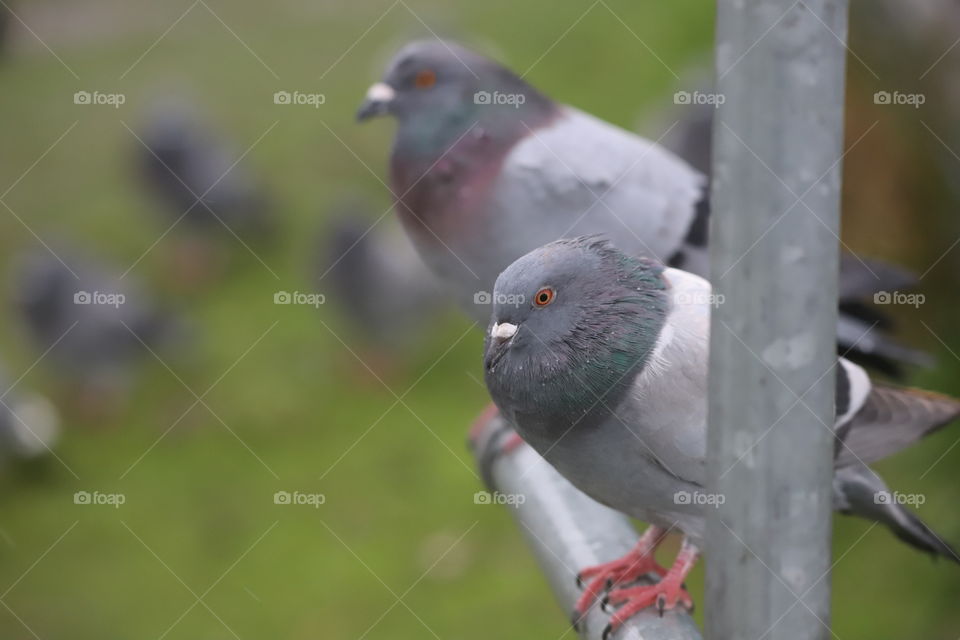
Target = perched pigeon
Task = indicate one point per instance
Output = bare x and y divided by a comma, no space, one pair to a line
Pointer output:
194,174
95,325
377,278
599,360
486,168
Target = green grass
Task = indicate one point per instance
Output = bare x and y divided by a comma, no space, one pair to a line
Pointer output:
298,406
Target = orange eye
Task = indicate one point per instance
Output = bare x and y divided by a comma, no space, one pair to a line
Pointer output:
544,297
425,79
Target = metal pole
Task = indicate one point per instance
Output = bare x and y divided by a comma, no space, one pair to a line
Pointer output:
567,532
776,192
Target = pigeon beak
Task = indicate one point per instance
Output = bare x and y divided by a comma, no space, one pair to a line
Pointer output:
502,331
377,101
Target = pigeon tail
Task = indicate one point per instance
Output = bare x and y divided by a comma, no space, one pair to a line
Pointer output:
859,491
891,419
915,532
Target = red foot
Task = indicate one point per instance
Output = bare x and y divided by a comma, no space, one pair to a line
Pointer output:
665,595
635,564
511,442
476,429
502,441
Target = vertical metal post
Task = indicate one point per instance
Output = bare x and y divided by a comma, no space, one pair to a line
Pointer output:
774,243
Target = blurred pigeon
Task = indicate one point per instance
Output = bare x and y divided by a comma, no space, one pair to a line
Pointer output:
29,424
604,373
194,173
211,200
487,168
95,325
382,285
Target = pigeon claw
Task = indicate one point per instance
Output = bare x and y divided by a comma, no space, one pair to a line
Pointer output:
605,604
575,620
601,578
664,596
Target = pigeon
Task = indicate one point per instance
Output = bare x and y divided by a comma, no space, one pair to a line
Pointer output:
29,423
194,173
382,286
211,200
599,360
486,168
92,326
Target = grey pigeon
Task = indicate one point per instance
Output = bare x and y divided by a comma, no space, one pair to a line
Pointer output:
377,278
486,168
193,172
94,325
599,360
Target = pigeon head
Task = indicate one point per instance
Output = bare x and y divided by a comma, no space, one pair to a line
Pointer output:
437,86
573,323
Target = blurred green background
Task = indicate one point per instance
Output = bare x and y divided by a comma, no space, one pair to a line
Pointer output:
399,549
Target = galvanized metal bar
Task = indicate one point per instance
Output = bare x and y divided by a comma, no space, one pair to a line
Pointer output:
774,243
567,532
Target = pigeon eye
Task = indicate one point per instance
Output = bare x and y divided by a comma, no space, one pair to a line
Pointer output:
544,297
425,79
